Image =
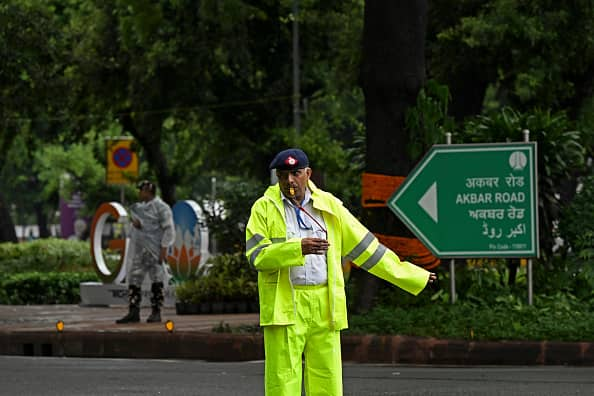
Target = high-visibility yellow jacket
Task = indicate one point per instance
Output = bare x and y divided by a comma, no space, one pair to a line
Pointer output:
272,254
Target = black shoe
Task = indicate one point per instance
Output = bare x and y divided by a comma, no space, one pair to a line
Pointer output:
133,316
155,316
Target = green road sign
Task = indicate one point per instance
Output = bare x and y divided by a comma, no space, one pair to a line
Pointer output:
473,200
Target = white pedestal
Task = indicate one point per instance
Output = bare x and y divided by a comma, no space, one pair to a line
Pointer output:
99,294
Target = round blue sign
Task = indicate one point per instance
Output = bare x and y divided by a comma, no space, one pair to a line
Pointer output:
122,157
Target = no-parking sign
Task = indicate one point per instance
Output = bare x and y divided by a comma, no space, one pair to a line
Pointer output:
122,161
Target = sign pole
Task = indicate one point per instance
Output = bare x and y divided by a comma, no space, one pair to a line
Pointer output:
452,261
529,281
529,267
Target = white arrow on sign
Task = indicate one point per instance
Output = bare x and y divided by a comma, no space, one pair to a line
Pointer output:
429,201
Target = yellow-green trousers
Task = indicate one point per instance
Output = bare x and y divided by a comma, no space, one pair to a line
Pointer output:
311,336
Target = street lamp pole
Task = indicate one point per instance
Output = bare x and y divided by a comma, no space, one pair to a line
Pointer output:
296,76
296,80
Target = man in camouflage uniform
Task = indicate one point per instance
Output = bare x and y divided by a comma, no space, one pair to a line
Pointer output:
152,234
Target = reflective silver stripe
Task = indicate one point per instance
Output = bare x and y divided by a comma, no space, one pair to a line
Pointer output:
375,257
256,252
360,248
259,249
253,241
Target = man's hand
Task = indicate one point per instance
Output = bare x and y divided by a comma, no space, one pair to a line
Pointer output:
314,246
136,223
433,281
163,255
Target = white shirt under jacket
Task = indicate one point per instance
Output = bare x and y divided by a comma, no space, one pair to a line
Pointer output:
315,270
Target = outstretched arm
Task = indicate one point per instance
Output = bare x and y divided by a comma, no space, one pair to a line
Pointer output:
362,248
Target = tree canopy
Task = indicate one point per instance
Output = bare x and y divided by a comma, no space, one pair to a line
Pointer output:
205,88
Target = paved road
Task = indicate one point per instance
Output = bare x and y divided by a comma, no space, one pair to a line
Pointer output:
71,376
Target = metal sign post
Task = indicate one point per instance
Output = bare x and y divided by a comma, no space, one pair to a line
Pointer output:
529,265
452,261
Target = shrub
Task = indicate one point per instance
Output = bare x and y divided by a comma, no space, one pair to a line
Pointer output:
509,318
577,222
43,288
45,255
229,278
226,223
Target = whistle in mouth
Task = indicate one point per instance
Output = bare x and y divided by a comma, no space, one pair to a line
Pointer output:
292,191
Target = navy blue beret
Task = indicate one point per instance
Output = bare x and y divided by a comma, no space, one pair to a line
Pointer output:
147,185
290,159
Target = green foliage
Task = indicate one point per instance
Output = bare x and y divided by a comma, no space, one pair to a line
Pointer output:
585,122
550,318
230,266
577,222
80,167
573,276
209,78
45,255
333,136
31,54
43,288
488,308
205,86
20,184
68,170
334,139
38,174
226,221
34,96
477,280
428,120
193,291
533,53
227,277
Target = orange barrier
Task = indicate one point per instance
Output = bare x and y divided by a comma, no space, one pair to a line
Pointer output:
410,249
377,189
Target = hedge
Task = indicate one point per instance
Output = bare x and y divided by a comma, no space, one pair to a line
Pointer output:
43,288
45,255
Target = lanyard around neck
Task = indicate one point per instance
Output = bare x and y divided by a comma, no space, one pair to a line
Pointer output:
299,208
300,221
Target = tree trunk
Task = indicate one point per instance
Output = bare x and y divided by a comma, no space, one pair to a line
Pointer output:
392,73
7,232
147,132
41,220
158,162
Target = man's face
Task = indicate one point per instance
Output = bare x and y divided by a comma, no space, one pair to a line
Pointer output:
296,179
144,194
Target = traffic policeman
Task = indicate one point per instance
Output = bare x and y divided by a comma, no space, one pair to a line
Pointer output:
296,237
